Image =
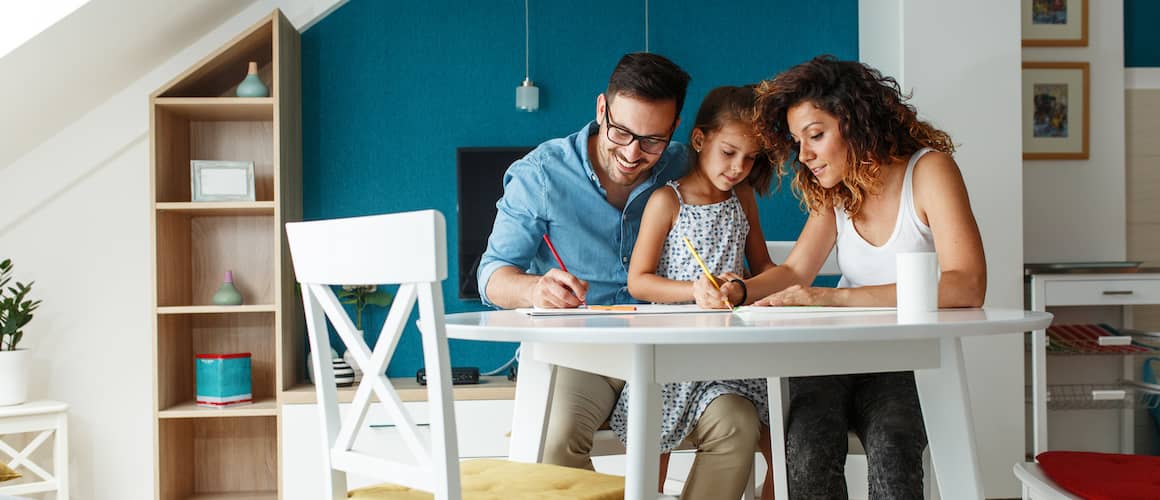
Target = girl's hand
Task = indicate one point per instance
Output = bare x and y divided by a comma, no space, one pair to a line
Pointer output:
707,296
733,292
797,296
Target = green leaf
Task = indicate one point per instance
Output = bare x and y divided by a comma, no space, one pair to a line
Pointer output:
378,298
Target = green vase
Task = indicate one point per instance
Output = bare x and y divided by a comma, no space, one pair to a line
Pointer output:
227,295
252,86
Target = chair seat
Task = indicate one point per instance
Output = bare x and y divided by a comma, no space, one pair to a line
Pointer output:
487,479
1036,484
1102,475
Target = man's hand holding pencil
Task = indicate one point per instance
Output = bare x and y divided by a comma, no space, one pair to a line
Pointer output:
558,289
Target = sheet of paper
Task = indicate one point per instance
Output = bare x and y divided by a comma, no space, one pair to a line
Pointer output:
639,309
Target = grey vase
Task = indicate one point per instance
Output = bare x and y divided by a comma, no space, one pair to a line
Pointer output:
252,86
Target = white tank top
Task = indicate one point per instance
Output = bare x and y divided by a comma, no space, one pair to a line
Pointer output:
863,264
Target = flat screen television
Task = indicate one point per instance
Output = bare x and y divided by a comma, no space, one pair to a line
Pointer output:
479,172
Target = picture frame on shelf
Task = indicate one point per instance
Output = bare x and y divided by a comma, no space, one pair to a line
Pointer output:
1054,23
221,180
1056,103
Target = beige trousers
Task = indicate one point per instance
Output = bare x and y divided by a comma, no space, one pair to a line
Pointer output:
725,436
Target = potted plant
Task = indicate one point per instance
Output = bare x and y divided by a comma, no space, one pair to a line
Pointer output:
361,296
15,312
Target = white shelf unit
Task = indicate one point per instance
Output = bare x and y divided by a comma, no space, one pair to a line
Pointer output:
1117,290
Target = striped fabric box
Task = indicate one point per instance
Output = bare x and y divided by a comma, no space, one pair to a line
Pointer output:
223,380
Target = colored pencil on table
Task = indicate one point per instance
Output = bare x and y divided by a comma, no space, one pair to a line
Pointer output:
705,269
617,307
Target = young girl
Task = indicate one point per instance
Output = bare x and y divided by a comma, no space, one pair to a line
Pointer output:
877,181
715,208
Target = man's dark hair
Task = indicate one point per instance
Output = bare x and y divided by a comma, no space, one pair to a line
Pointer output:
650,77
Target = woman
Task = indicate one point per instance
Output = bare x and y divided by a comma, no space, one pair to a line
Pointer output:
876,181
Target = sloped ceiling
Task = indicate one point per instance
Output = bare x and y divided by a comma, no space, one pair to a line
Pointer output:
90,55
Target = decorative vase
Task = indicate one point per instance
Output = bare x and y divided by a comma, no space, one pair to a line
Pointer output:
227,295
252,86
348,358
343,373
13,377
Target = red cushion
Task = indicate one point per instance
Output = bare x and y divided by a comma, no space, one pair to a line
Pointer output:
1103,475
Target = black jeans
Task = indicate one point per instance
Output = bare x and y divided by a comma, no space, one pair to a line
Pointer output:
882,408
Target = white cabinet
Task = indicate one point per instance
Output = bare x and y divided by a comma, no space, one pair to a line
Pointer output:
1085,298
483,429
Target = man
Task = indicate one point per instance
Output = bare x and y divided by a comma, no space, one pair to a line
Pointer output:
587,193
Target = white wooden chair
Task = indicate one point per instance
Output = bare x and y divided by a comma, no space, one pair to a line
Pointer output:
408,249
1036,484
779,250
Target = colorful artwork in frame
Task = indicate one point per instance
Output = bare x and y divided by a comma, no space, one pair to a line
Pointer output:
1055,110
1055,23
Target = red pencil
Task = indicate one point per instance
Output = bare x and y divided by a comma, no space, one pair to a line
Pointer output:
554,254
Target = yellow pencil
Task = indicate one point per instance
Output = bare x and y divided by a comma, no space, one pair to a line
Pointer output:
705,269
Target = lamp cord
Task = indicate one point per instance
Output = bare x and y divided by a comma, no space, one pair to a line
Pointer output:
645,25
526,44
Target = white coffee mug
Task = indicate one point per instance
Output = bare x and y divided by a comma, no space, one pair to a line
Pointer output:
917,284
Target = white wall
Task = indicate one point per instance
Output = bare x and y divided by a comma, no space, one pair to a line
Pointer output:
1073,210
967,83
74,217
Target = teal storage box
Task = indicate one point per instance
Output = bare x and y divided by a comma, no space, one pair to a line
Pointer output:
223,380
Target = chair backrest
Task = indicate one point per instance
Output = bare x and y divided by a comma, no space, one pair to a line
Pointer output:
779,250
410,250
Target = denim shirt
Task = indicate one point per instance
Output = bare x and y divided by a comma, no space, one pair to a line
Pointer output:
554,191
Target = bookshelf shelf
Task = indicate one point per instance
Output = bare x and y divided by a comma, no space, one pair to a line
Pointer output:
189,409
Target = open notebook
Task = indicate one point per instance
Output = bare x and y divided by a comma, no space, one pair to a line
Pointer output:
692,309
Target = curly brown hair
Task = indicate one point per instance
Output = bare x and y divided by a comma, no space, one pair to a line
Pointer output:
877,123
729,104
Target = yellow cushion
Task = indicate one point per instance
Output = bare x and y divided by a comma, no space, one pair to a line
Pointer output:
7,473
503,480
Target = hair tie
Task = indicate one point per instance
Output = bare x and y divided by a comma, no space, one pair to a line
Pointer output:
744,291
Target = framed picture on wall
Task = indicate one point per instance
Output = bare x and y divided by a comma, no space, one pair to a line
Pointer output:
1055,110
1055,23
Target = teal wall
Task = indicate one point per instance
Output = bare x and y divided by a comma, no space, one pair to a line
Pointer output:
390,90
1141,40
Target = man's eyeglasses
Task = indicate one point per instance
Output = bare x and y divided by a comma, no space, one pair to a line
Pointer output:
621,136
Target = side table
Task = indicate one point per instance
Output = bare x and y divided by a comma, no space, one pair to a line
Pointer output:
44,418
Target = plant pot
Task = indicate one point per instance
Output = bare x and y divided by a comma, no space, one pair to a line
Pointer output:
13,377
348,357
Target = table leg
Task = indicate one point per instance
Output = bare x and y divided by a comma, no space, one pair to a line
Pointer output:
778,411
644,418
1038,392
946,409
534,384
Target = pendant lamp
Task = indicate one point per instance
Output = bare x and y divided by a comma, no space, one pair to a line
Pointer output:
527,94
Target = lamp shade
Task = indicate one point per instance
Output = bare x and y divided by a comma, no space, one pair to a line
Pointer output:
527,96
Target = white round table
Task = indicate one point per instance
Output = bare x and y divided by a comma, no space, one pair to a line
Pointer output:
648,350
